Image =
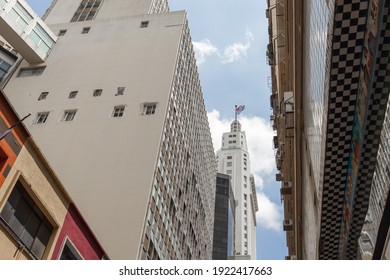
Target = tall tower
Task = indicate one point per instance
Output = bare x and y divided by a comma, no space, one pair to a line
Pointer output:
119,113
233,160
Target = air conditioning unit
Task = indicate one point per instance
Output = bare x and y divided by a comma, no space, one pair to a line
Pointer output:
286,189
288,225
293,257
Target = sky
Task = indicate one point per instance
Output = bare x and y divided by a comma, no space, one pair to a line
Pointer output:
230,39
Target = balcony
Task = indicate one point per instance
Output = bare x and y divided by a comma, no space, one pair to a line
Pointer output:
25,31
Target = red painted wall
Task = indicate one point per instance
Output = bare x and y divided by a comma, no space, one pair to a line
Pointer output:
77,230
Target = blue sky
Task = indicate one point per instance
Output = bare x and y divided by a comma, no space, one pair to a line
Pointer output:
230,39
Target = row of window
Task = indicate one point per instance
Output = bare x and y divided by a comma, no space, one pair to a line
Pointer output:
73,94
117,112
85,30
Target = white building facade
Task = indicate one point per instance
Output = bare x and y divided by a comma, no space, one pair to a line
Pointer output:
119,112
233,160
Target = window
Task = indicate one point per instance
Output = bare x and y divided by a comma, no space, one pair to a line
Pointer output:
73,94
87,10
43,95
85,30
229,157
144,24
20,16
4,67
120,91
42,38
118,111
245,196
149,109
68,115
42,117
62,32
229,164
97,92
229,172
26,221
69,252
35,71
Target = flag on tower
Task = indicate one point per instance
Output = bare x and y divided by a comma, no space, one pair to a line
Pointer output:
239,109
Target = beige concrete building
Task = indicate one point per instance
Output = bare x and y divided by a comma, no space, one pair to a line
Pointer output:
119,112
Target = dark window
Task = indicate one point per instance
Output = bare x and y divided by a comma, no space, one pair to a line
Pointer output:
97,92
42,117
73,94
69,115
118,111
27,221
69,252
4,67
62,32
85,30
43,95
149,109
120,90
144,24
87,10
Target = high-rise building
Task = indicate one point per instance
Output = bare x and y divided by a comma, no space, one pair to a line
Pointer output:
233,160
330,84
223,240
119,112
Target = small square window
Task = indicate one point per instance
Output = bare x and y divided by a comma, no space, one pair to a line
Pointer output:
42,117
229,164
149,109
97,92
144,24
120,91
229,157
69,115
62,32
85,30
73,94
118,111
43,95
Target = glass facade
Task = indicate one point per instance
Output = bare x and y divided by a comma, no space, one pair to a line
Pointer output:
318,20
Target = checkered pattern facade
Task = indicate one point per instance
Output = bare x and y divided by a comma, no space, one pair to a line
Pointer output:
377,109
347,51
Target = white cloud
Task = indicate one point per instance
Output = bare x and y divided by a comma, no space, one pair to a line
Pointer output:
232,53
202,49
259,136
270,214
236,51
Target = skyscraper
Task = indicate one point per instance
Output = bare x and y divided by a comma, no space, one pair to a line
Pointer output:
233,160
119,112
330,89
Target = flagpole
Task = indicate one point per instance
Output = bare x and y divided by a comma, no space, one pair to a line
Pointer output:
235,112
12,126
